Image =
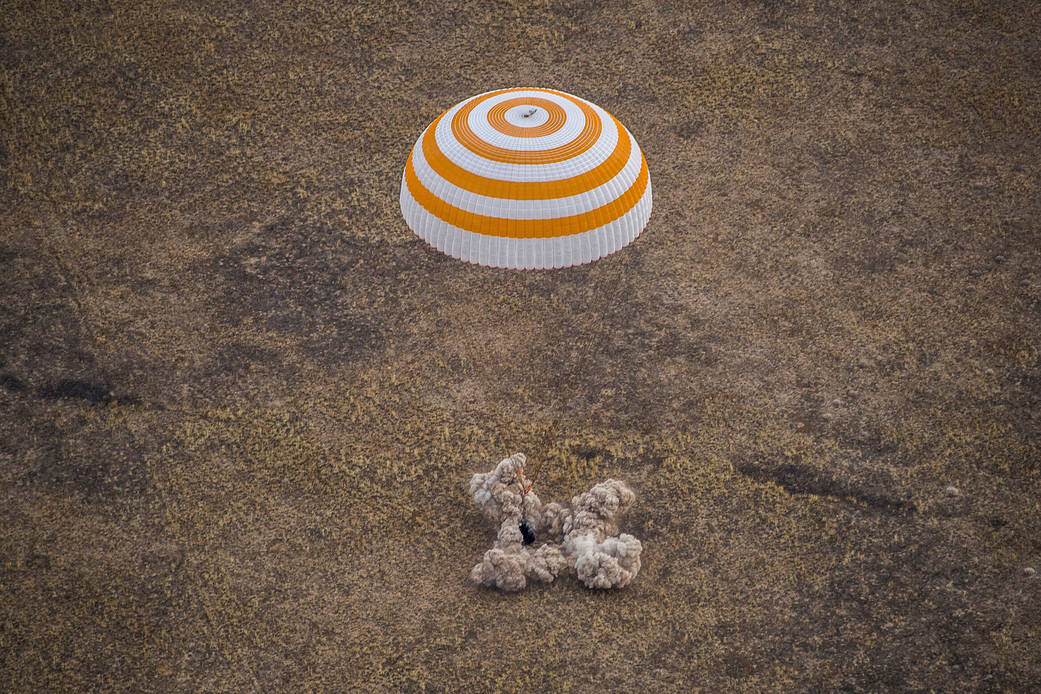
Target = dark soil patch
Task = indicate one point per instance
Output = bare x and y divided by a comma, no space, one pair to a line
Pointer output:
94,393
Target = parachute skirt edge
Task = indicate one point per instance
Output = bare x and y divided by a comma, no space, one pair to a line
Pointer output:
526,253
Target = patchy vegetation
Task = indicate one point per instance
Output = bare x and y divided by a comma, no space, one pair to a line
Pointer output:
240,403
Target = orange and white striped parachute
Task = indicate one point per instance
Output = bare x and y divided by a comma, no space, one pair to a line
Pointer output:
526,178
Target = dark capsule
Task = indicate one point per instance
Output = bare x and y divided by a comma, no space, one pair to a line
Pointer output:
528,532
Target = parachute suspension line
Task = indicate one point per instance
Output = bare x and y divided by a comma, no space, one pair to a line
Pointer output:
541,452
583,357
572,381
601,333
481,369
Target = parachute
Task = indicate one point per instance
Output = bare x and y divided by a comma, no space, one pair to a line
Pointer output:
526,179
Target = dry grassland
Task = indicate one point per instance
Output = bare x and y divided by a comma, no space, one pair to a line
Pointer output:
240,403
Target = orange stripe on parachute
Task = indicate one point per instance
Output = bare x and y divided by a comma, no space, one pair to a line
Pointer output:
583,141
526,228
525,190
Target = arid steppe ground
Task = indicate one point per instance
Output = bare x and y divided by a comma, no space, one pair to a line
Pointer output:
240,402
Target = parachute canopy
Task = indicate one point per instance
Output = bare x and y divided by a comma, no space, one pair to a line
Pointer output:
526,178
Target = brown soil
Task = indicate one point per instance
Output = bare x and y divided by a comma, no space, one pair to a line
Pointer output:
240,403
